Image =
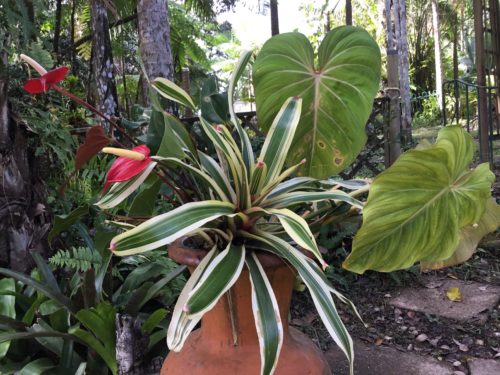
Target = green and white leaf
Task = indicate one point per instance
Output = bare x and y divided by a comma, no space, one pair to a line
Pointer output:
290,185
201,175
299,231
337,93
120,191
246,145
219,276
267,316
320,291
215,171
416,208
171,91
278,140
181,325
166,228
7,307
288,199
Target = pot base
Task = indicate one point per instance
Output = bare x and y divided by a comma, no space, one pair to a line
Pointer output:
298,356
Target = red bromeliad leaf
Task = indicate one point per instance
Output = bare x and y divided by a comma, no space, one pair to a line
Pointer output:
46,81
124,168
95,140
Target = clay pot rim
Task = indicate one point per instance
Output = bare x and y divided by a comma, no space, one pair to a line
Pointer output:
185,255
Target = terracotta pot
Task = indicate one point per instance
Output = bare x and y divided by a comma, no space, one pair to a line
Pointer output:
211,350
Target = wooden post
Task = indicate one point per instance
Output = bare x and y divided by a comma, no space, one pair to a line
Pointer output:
348,12
393,134
275,25
495,46
481,82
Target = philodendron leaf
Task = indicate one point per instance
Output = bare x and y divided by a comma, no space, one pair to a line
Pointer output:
417,207
337,94
470,236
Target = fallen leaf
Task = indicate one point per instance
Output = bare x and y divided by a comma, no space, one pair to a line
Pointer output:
452,276
422,337
379,341
454,294
462,347
434,284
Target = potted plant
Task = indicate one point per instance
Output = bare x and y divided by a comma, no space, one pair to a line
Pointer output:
245,223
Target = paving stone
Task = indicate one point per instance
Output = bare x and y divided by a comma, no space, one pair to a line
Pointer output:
484,367
476,298
381,360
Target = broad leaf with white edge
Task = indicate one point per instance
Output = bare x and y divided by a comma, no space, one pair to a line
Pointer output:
219,276
166,228
181,324
266,314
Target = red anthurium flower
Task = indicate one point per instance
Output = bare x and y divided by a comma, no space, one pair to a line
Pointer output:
126,167
46,81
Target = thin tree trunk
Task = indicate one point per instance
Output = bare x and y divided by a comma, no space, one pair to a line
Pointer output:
481,82
275,24
72,31
57,30
437,52
404,78
455,66
154,42
102,61
348,12
393,134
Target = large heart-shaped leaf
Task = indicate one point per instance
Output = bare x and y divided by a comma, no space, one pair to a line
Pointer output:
337,94
470,236
417,207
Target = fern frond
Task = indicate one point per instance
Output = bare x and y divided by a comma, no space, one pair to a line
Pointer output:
77,258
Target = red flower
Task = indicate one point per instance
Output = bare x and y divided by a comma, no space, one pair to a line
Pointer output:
125,168
46,81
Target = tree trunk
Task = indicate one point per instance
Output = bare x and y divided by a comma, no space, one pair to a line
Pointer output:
393,134
404,77
57,30
275,24
154,42
23,218
348,12
102,61
437,52
481,82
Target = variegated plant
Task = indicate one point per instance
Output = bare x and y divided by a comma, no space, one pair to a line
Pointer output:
252,203
417,210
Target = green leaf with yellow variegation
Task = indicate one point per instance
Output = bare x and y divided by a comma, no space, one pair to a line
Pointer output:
470,236
337,89
416,208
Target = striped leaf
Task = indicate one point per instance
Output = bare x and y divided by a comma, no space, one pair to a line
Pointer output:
258,178
337,87
171,91
320,291
291,185
166,228
267,316
246,146
200,174
216,172
219,276
233,158
416,208
288,199
280,136
181,325
297,228
120,191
